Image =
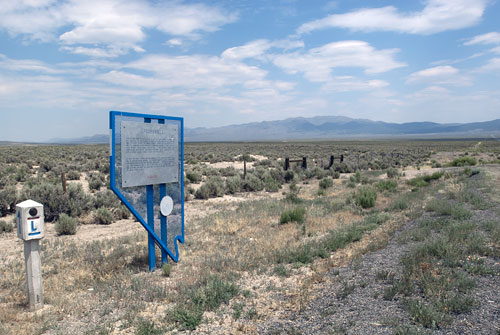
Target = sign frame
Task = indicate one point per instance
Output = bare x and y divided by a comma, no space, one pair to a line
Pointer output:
148,222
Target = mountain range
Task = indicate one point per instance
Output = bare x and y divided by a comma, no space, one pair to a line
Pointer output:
324,127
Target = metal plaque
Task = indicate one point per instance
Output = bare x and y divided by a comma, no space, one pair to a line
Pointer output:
150,153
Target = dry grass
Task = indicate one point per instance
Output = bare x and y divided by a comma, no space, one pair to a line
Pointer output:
98,285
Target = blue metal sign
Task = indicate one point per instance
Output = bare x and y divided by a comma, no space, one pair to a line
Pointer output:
146,173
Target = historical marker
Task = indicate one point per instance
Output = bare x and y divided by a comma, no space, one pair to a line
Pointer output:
146,168
150,153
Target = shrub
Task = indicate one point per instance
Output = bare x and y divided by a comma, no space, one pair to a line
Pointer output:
293,195
66,225
463,161
206,295
233,184
271,184
387,185
289,176
8,198
5,227
105,198
392,173
77,201
325,183
73,175
122,212
193,176
296,214
246,158
355,178
51,196
252,184
366,197
317,172
96,182
166,269
423,181
104,216
214,187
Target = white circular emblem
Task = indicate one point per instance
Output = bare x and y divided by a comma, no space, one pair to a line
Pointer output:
166,205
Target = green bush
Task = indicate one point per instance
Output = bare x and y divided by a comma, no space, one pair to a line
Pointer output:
51,196
66,225
325,183
122,212
104,216
271,184
5,227
77,201
289,176
335,174
166,269
233,184
193,176
252,183
387,185
463,161
366,197
205,295
426,180
105,198
214,187
96,182
392,173
355,178
296,214
8,198
73,175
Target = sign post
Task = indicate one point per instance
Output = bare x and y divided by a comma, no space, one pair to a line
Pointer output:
31,228
146,167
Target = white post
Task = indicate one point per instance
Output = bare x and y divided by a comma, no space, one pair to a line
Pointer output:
31,228
33,274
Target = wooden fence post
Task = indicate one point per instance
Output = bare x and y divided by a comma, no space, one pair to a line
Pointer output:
63,182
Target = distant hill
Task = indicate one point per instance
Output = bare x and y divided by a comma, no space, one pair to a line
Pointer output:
96,139
323,127
326,127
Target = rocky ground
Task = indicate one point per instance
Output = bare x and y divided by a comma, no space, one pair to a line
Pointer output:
350,298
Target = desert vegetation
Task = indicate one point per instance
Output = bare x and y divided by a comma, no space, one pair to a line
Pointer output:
262,242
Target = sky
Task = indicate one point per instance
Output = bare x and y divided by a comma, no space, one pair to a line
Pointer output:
64,64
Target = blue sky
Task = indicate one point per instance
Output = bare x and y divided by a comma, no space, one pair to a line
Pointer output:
65,63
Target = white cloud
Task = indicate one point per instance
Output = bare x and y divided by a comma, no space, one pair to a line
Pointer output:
249,50
440,75
257,48
349,84
29,65
191,72
436,16
317,64
493,65
174,42
114,26
488,38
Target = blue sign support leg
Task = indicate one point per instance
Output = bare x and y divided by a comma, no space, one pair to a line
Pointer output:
151,220
163,225
151,223
163,219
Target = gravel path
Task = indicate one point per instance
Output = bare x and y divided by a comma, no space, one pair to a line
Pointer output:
350,300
